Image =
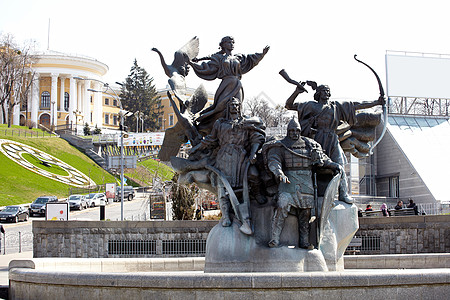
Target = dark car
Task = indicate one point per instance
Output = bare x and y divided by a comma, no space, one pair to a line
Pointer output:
39,205
128,193
14,213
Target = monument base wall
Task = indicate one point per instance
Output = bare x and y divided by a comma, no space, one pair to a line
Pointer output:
183,278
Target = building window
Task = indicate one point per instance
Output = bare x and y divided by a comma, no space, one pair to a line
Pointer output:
45,100
115,102
115,120
24,103
171,120
91,99
106,119
66,101
106,101
160,122
394,187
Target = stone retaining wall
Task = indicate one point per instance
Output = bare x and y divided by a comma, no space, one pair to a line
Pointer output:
408,234
92,238
397,235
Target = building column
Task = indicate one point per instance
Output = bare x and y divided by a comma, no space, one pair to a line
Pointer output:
72,100
98,103
35,99
54,99
61,97
87,102
79,94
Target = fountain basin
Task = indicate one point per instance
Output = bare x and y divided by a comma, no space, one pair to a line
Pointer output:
174,278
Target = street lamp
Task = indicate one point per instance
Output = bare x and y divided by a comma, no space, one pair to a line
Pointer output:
77,113
142,117
137,121
122,114
53,113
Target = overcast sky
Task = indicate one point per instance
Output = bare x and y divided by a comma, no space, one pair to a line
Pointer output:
312,40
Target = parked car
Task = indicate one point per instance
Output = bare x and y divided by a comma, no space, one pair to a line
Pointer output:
14,213
128,193
39,205
77,202
209,204
94,199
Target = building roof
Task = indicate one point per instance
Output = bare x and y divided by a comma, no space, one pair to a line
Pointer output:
425,141
58,62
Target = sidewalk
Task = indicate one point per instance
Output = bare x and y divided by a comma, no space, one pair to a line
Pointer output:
4,263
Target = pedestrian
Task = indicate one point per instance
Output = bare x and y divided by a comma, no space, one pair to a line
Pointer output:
414,206
369,207
2,230
198,213
399,205
384,210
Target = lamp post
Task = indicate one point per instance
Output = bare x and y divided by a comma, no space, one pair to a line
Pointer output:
53,113
142,117
77,113
122,114
137,121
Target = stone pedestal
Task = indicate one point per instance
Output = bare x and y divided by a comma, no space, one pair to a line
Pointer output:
229,250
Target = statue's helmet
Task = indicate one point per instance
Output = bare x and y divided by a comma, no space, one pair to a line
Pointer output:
293,124
235,102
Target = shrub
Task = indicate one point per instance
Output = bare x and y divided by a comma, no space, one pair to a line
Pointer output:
86,129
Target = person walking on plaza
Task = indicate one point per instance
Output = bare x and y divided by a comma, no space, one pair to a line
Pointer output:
2,230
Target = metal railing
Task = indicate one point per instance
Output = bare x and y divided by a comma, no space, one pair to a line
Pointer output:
150,247
132,248
179,247
434,208
368,245
25,133
16,242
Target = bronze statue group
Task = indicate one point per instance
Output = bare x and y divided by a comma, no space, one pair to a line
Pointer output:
233,157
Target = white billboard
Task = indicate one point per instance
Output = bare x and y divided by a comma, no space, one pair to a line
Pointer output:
419,75
143,139
57,211
110,190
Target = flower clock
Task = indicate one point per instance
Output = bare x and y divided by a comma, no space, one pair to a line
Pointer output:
43,164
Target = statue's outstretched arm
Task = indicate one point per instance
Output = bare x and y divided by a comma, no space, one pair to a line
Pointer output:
369,104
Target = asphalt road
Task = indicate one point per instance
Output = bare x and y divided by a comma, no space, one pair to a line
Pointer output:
19,237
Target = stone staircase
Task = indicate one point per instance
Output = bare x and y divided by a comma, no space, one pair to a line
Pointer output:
85,145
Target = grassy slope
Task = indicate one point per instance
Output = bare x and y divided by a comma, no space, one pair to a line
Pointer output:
148,169
18,185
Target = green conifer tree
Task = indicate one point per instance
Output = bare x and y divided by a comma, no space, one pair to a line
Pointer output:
139,94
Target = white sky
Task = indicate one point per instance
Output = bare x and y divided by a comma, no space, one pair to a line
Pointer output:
312,40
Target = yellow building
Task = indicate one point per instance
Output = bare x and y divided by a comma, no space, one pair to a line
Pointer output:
63,92
168,118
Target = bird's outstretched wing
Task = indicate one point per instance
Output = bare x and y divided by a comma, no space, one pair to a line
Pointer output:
173,139
198,100
191,48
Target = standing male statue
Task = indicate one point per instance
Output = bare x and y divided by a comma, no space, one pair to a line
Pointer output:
291,160
319,120
234,142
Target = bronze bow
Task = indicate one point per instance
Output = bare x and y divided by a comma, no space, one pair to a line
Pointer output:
385,115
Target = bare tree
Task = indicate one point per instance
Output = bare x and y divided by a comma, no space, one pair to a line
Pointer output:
256,107
272,117
16,75
282,116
